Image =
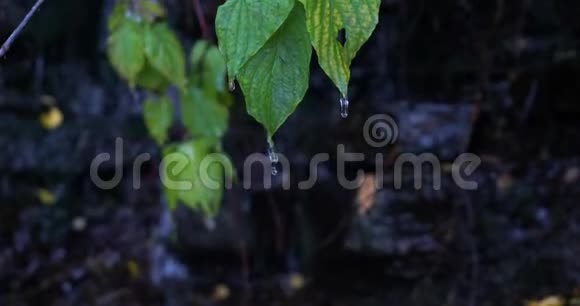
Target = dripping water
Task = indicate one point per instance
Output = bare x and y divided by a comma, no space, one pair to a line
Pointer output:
344,107
232,85
273,156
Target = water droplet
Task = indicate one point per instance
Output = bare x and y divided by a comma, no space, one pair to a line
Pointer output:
274,169
232,85
273,156
210,223
344,107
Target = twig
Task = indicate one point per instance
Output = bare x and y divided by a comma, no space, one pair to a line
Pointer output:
530,99
18,29
201,19
278,226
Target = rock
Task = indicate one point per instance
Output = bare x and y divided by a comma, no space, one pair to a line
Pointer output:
395,225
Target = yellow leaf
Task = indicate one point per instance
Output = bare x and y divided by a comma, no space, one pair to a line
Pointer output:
52,118
45,197
133,269
297,281
553,300
365,198
221,292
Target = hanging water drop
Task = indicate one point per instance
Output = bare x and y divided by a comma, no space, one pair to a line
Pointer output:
273,156
274,169
209,223
344,107
232,85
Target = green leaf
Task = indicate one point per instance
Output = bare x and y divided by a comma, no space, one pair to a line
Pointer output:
203,115
164,53
214,72
171,195
195,175
158,115
151,79
325,19
208,62
150,10
244,26
117,15
275,80
198,53
125,49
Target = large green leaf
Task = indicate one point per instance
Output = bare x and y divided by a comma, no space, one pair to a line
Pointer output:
164,53
202,114
244,26
125,49
158,114
325,19
275,80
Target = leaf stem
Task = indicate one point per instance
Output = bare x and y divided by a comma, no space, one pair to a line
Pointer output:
18,29
201,19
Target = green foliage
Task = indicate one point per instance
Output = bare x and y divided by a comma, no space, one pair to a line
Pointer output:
276,78
146,52
164,53
194,175
201,102
151,79
264,46
125,48
244,26
197,54
325,19
204,116
150,10
158,114
117,15
214,69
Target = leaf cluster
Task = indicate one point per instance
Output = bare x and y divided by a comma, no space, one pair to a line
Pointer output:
267,45
146,53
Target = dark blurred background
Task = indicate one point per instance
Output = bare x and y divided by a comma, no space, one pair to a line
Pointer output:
499,78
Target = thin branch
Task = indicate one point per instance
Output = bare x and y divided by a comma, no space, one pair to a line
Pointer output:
21,26
530,99
201,19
